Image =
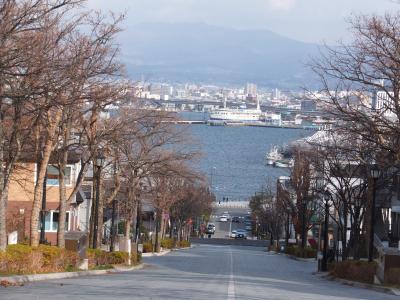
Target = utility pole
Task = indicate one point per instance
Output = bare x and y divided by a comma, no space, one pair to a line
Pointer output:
324,265
375,175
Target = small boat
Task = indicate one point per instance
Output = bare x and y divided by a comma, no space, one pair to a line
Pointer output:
284,163
273,156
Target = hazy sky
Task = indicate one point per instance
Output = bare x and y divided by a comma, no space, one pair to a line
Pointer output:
306,20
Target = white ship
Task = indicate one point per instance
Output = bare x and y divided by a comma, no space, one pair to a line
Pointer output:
236,114
273,156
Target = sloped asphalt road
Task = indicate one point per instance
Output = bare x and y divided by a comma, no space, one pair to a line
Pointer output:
203,272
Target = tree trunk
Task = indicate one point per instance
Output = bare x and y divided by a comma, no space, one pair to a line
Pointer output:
37,196
62,207
128,226
3,219
3,198
303,226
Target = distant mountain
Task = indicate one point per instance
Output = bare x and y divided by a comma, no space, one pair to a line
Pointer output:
184,52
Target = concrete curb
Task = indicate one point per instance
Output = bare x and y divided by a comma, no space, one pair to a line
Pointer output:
185,248
18,279
301,259
162,253
373,287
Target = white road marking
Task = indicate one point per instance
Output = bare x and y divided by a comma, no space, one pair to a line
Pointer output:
231,285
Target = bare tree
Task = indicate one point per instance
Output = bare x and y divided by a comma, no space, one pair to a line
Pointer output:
339,162
360,84
22,25
303,208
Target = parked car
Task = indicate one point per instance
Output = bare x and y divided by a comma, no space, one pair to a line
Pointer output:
233,234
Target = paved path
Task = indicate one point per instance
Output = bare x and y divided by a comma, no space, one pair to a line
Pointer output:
204,272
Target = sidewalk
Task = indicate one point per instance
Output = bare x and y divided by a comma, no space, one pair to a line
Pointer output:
374,287
21,279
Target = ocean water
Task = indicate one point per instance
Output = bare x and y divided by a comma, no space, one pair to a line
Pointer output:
234,156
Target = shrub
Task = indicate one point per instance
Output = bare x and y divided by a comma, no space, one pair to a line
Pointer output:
184,244
167,243
23,259
362,271
96,257
56,259
297,251
147,247
118,257
99,257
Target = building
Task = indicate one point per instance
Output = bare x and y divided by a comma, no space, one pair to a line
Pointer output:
308,105
272,119
251,90
383,102
21,195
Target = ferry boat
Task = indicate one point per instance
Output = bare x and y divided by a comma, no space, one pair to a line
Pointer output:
241,114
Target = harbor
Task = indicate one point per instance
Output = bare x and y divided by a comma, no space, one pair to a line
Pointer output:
250,124
234,157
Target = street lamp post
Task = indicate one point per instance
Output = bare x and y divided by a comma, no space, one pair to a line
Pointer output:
374,175
99,162
324,265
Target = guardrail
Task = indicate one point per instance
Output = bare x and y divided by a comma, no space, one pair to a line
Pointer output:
232,204
233,242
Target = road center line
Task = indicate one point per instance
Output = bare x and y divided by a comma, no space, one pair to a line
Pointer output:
231,285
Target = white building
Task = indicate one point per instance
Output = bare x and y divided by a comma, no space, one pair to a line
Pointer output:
251,89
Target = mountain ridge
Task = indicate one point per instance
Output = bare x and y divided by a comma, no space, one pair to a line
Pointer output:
197,52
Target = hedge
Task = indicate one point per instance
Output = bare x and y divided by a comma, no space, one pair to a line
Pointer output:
166,243
356,270
99,258
297,251
24,259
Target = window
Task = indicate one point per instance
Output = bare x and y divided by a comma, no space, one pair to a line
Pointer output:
51,221
52,175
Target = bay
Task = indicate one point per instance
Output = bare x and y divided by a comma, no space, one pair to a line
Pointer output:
234,156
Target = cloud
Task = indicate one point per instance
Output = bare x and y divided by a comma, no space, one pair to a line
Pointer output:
281,4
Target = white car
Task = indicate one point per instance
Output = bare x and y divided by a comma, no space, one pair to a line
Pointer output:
226,214
233,234
241,233
223,219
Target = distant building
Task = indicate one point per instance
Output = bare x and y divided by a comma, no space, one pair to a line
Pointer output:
272,119
383,102
251,91
277,94
161,89
308,105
